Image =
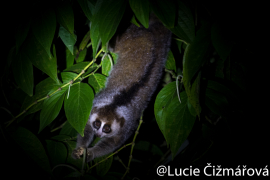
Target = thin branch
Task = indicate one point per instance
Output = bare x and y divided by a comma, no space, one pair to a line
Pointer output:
59,89
133,144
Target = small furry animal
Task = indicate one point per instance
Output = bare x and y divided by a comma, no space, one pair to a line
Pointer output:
142,54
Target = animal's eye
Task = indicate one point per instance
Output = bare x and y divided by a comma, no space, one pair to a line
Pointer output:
97,124
106,129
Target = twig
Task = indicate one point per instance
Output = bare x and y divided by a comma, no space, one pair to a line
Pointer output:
133,144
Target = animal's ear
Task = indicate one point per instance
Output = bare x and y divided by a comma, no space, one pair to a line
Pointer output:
122,121
94,110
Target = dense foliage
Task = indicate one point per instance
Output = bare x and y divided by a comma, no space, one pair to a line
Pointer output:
57,65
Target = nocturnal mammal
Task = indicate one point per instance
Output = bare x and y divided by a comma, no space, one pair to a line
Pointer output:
142,54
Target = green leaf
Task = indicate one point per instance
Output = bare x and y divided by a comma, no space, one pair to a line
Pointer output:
57,152
106,66
93,67
65,17
78,106
61,137
193,92
114,57
191,109
45,86
141,10
39,58
194,58
103,167
173,118
94,28
109,17
67,129
195,53
44,29
69,58
134,21
51,108
77,68
95,38
85,41
86,9
221,40
42,89
179,45
97,81
22,31
165,11
179,122
68,39
23,73
216,102
68,76
32,146
185,28
146,146
163,99
81,56
170,63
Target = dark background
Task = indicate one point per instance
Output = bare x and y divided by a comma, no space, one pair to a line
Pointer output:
247,143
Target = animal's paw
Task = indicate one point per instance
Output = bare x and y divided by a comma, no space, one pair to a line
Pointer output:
77,152
90,155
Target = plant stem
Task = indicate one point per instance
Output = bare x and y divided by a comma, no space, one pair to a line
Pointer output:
133,144
59,89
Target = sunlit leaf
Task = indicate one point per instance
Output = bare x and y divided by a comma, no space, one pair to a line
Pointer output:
69,58
51,108
77,68
78,106
173,117
68,76
42,89
94,28
163,99
109,17
97,81
68,39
